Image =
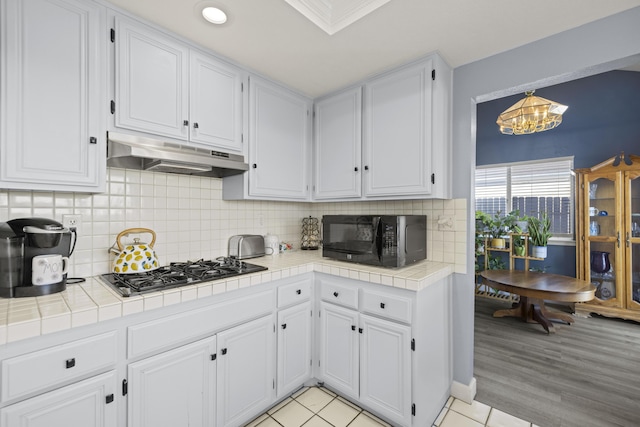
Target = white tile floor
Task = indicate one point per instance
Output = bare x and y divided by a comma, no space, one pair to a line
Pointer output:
319,407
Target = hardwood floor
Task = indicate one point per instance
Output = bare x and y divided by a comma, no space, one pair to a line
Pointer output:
586,374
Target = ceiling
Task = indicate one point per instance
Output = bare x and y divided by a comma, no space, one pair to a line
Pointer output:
272,38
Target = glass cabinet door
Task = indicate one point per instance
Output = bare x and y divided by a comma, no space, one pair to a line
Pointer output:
633,240
606,259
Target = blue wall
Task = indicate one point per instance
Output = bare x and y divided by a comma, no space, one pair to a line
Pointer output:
603,119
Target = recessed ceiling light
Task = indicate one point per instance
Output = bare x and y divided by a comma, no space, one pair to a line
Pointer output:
214,15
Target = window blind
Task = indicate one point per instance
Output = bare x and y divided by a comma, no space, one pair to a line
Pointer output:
532,188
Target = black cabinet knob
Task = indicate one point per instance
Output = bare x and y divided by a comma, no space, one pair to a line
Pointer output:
353,327
381,305
366,168
298,292
70,363
223,351
185,122
335,294
254,166
355,169
195,125
284,326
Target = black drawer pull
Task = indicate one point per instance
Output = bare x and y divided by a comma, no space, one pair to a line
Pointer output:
109,398
223,351
353,327
284,326
335,294
298,292
381,305
70,363
185,122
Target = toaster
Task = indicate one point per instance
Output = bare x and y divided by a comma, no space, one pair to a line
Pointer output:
243,246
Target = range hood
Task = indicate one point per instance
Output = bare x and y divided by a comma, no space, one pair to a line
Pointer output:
136,152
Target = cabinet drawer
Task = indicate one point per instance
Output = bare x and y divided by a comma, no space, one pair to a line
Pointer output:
385,305
338,294
294,293
168,332
29,373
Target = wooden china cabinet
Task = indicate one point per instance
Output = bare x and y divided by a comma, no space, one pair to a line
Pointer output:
608,235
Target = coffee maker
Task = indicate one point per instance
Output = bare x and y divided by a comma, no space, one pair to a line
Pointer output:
34,257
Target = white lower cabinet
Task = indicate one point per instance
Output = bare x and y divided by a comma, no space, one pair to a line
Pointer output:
385,368
368,359
339,349
88,403
175,387
385,348
246,371
294,347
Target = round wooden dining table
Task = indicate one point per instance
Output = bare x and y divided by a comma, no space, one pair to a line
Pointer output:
534,288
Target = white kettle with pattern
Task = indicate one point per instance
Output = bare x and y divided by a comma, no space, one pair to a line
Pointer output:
135,257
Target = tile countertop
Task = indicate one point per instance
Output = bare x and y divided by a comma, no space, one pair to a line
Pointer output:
92,301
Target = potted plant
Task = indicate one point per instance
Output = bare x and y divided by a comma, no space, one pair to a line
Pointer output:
500,225
539,234
518,245
522,224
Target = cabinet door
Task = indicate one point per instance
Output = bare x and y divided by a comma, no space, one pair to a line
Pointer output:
294,347
176,388
151,81
215,103
88,403
397,133
632,186
279,138
246,371
339,350
605,267
385,368
52,124
338,142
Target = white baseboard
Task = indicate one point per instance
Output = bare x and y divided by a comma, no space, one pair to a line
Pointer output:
464,392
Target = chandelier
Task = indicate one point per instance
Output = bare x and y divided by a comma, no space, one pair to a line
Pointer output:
531,114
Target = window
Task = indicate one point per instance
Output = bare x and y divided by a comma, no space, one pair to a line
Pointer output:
532,188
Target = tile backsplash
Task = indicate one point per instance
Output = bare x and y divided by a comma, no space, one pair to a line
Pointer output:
192,221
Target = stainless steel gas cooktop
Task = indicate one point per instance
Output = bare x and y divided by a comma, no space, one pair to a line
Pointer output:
178,274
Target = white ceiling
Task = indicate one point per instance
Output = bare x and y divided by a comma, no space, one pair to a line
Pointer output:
274,39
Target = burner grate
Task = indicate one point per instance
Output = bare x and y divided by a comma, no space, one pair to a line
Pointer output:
179,274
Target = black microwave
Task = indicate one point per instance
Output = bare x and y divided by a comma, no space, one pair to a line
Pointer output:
382,240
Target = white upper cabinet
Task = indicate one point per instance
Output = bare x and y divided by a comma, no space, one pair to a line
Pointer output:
152,72
279,145
215,103
404,149
165,88
53,119
337,149
397,137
